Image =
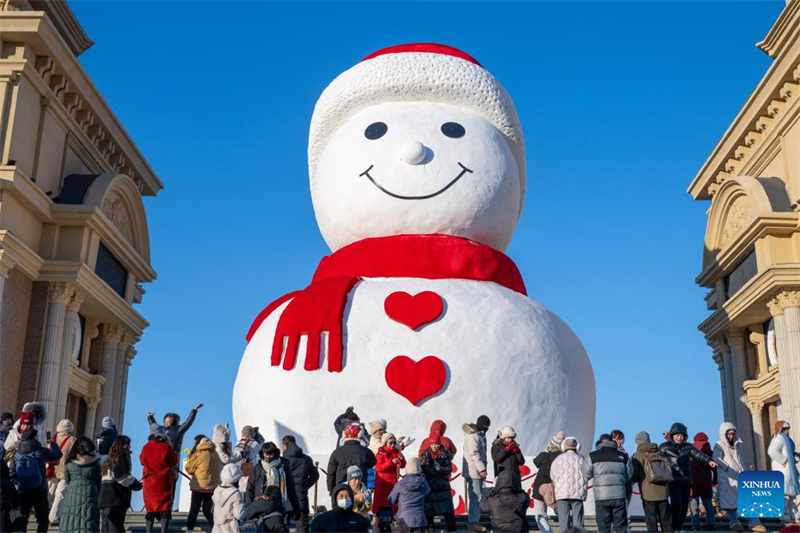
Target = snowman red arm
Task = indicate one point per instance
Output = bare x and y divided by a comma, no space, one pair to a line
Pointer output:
315,311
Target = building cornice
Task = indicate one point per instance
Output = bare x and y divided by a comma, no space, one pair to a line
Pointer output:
781,32
24,259
66,23
70,85
764,115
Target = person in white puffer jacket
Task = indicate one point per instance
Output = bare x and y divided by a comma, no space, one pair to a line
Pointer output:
569,484
229,508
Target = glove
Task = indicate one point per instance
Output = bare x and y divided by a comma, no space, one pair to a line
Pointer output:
516,448
510,446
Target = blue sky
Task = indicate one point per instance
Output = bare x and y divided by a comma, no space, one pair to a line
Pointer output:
621,103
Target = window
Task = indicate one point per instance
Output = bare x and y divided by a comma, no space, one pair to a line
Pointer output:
111,270
741,274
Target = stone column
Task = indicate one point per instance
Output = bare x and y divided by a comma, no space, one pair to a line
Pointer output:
727,370
91,416
759,340
784,308
756,409
726,413
129,355
110,335
744,421
119,371
51,366
3,275
71,321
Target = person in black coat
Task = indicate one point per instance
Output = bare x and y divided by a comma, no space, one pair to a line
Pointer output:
506,453
350,453
341,518
8,497
305,475
35,497
105,438
543,461
679,452
117,485
507,504
268,510
437,465
258,481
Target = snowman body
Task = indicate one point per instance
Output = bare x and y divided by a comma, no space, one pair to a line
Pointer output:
506,356
416,143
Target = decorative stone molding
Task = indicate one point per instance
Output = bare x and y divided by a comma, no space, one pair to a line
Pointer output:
92,403
130,355
784,300
75,302
735,337
60,293
775,110
739,214
111,333
717,357
114,209
755,406
126,340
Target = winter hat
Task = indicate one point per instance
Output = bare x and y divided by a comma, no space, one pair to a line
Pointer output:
247,432
26,418
376,425
65,426
435,437
601,438
38,409
412,465
354,472
571,443
157,430
641,437
483,423
221,434
780,425
507,431
385,438
230,474
351,432
108,422
556,441
679,429
419,72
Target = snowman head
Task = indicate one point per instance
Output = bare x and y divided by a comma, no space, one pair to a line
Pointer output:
416,139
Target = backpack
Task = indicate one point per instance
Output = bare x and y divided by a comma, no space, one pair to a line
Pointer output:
29,475
657,468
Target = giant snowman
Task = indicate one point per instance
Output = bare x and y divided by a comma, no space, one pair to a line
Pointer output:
417,168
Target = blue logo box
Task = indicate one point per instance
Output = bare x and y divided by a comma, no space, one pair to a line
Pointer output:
760,494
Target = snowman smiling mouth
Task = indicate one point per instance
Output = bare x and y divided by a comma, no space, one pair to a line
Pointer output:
464,170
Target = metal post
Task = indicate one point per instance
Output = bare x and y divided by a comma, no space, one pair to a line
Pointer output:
316,465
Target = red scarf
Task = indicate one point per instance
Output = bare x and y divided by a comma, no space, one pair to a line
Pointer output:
320,307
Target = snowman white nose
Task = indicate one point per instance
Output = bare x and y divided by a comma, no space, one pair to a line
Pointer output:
412,152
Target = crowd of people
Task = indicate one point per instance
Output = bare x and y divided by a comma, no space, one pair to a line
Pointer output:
85,485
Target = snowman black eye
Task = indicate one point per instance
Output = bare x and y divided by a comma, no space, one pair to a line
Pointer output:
454,130
376,130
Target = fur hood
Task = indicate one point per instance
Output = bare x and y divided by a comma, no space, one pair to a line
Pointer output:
469,429
36,407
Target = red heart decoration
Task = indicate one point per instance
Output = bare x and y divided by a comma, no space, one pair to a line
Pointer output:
413,311
416,380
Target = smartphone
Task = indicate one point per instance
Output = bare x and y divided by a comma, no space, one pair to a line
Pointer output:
49,436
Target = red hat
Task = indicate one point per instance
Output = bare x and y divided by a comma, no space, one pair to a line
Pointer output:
27,418
435,437
352,431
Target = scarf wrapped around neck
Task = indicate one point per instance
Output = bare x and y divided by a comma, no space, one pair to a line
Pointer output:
275,475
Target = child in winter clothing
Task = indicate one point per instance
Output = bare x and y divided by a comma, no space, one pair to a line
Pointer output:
569,484
64,440
654,495
362,496
409,495
204,466
229,509
507,504
438,427
81,510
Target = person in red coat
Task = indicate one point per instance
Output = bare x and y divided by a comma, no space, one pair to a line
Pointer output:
387,471
159,463
438,427
703,480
